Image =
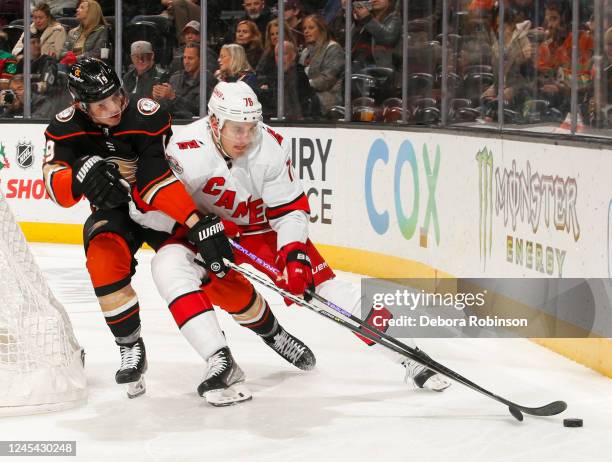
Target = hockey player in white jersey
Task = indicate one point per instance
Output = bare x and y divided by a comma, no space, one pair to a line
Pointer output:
239,169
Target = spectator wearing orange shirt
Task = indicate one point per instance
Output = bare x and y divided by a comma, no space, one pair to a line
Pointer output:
553,54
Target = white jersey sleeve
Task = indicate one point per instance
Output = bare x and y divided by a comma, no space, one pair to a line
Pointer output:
153,219
287,208
184,155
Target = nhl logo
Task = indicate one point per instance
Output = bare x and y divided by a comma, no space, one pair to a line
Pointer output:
25,154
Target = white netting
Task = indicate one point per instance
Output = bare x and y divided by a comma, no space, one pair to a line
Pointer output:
40,359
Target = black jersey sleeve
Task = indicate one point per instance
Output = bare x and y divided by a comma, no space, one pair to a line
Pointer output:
64,144
155,183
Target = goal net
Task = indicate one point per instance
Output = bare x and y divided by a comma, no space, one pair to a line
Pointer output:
41,365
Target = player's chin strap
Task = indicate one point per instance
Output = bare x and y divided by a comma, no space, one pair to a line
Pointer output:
353,323
217,141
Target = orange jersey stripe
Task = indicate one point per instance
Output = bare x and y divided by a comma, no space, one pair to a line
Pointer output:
175,201
61,184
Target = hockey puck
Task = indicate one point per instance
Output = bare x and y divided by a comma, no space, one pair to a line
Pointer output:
572,422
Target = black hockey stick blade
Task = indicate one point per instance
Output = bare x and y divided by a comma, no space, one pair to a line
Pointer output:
554,408
516,413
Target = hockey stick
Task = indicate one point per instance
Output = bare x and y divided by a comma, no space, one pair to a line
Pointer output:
388,341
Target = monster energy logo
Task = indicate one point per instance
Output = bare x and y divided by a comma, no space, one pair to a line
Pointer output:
528,201
484,159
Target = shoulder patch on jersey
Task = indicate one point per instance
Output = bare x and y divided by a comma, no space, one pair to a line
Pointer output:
174,164
191,144
147,106
65,115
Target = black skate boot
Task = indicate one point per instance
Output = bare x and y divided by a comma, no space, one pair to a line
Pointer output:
223,383
292,349
133,367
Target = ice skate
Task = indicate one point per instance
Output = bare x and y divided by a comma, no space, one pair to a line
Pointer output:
223,384
292,350
422,377
133,367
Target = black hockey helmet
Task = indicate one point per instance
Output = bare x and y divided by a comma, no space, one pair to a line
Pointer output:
92,80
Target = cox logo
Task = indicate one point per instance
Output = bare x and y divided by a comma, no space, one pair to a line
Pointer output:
406,206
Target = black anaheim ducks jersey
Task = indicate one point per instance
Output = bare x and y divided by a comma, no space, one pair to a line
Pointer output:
136,145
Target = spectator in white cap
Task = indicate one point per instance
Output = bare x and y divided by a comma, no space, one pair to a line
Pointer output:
191,34
143,73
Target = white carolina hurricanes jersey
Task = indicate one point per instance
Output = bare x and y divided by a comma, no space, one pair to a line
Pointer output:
258,192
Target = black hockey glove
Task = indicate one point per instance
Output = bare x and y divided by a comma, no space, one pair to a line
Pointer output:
100,181
213,246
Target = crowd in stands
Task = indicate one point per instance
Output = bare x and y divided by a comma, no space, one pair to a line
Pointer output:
162,46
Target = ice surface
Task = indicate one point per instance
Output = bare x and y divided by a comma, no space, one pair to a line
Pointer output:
353,407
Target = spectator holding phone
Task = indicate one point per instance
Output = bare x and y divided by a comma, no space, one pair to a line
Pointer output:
376,31
143,73
11,101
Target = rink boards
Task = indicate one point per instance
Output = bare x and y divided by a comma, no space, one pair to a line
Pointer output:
409,203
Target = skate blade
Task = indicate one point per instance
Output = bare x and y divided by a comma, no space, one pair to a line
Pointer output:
136,389
234,394
437,384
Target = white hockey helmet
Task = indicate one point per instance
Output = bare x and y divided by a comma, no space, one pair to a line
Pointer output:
234,101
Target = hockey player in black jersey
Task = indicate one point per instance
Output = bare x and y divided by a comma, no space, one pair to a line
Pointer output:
106,148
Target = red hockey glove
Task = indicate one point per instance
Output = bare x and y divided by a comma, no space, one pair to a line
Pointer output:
296,267
232,230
